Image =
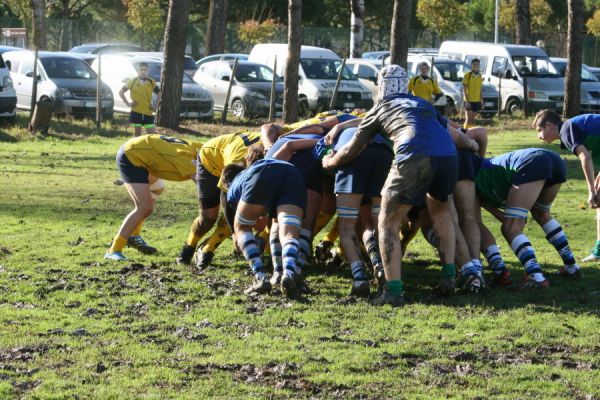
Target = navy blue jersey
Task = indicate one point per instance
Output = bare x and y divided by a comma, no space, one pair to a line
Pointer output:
347,134
412,123
304,160
234,194
581,130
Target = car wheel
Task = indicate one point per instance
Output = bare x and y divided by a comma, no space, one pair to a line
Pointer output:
513,106
303,109
450,107
238,108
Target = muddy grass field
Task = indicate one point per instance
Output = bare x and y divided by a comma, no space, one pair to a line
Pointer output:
74,326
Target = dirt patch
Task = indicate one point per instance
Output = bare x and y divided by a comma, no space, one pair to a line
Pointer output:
22,353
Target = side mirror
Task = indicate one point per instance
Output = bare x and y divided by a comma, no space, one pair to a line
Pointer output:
508,74
8,64
373,79
225,78
30,75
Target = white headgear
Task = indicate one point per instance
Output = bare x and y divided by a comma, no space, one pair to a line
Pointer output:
393,80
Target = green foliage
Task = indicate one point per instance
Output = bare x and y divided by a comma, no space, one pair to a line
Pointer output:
593,24
481,15
540,12
446,17
253,32
147,17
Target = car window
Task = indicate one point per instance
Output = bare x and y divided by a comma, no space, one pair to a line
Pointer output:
482,62
253,73
26,66
319,68
535,66
188,63
366,72
452,71
499,65
14,65
68,68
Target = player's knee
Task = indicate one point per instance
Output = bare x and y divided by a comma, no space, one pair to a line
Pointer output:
512,226
145,209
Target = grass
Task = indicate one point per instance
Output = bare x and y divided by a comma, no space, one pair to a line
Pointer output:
75,326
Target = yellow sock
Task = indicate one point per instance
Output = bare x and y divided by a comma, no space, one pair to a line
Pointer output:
333,233
322,221
193,239
118,244
138,229
220,233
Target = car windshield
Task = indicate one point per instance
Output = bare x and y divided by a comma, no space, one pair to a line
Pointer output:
319,68
451,70
154,70
535,66
68,68
189,63
586,74
253,73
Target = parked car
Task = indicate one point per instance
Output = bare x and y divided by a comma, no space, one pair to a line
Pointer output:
377,55
590,86
367,71
595,71
4,49
222,57
87,57
189,65
512,64
8,96
318,72
251,89
196,102
105,48
66,80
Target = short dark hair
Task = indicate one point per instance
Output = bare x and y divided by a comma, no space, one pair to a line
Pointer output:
142,64
229,173
544,116
475,60
254,153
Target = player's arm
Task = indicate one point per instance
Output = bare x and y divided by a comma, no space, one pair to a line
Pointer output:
411,85
158,97
228,211
314,129
366,131
481,93
339,128
466,93
462,141
122,92
587,165
288,149
269,134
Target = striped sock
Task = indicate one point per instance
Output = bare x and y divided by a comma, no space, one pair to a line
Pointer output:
358,271
275,250
290,253
557,238
494,259
523,249
478,265
467,269
247,243
305,246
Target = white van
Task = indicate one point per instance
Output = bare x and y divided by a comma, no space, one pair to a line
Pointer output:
8,96
318,71
506,65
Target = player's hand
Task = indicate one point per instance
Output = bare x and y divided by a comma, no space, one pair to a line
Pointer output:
597,199
329,161
467,105
133,103
474,146
592,200
330,137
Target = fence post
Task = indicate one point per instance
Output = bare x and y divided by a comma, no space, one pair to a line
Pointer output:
337,85
499,95
35,84
231,79
273,87
525,98
98,93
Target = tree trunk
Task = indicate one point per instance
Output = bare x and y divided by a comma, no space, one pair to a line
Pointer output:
217,27
172,71
574,56
400,31
38,8
290,99
523,22
357,27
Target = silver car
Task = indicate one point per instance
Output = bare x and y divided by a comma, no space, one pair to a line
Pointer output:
66,80
590,86
251,89
196,102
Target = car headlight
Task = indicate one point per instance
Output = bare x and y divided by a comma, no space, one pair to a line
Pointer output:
532,94
107,94
64,92
7,83
258,95
366,95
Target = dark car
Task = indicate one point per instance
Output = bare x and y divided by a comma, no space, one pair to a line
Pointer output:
105,48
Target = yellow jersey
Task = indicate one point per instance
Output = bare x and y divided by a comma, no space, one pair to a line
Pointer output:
424,88
317,119
165,157
473,82
140,91
226,149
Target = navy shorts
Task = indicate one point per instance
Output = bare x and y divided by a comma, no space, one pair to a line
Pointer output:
475,106
411,180
129,172
209,193
541,166
366,174
274,186
137,119
306,162
466,167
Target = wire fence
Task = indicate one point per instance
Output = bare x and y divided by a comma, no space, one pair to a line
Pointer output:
63,34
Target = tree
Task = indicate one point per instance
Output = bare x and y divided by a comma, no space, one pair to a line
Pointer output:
523,22
38,8
171,76
445,17
67,10
541,16
253,32
574,56
217,27
357,27
290,94
593,24
400,31
146,17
